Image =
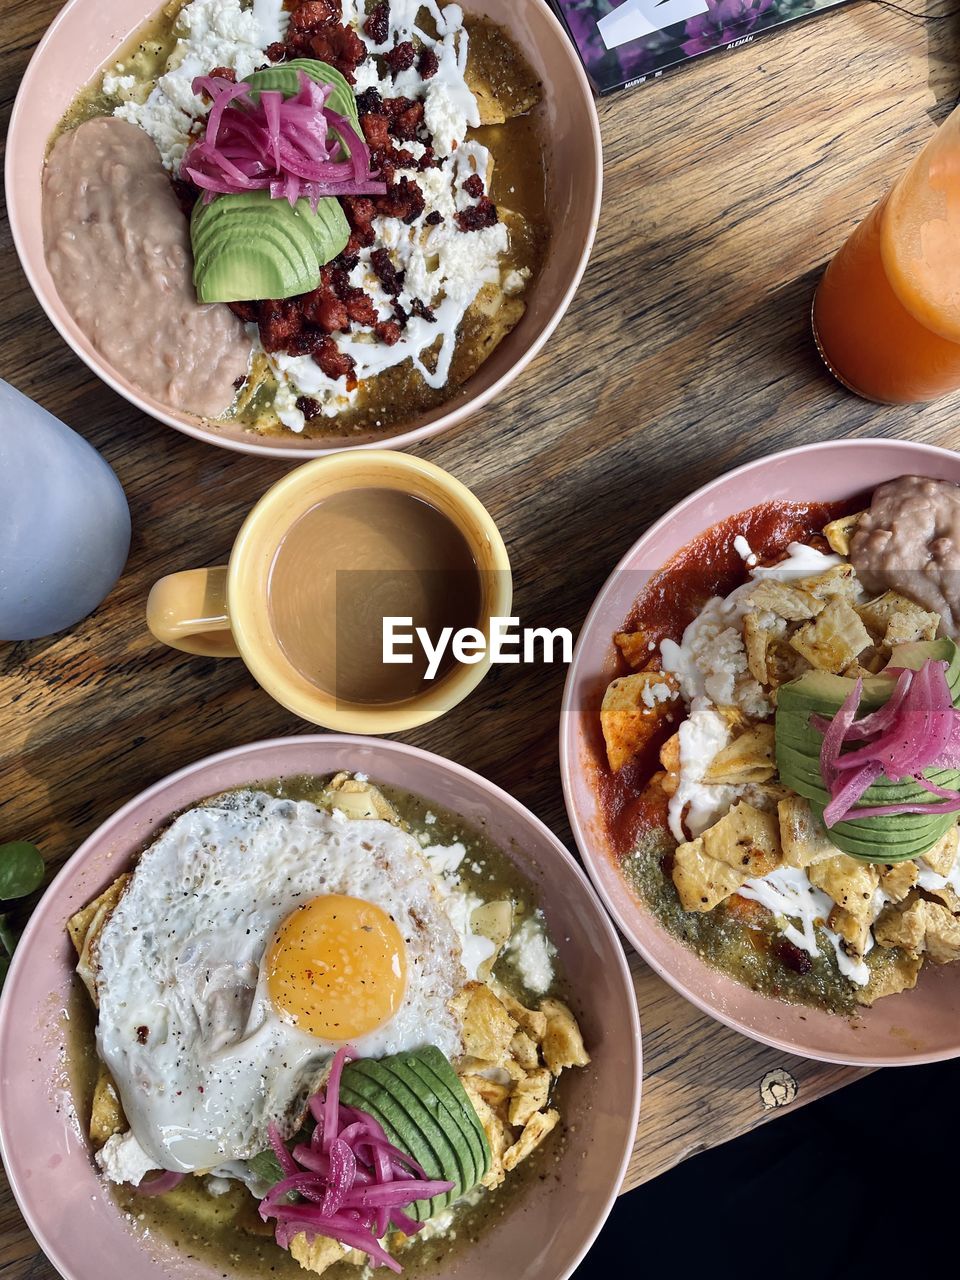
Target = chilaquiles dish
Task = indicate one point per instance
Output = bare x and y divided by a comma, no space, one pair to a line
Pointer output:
328,1030
781,780
310,216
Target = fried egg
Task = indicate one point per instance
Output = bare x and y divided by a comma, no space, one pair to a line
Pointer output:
257,935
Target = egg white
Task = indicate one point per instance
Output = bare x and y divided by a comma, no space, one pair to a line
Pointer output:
202,1061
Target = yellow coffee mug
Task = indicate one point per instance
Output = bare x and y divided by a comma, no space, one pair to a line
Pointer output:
225,611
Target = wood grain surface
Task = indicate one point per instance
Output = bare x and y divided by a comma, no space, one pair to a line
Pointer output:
686,352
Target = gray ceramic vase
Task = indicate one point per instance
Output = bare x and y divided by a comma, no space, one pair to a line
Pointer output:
64,522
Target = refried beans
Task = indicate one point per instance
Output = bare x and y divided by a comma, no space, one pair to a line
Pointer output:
118,248
909,541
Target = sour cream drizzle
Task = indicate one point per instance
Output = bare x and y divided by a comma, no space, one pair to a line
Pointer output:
445,268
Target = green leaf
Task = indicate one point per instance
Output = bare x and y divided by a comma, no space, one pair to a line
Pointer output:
266,1166
21,869
8,935
4,966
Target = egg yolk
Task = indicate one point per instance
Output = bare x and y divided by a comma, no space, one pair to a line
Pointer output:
337,968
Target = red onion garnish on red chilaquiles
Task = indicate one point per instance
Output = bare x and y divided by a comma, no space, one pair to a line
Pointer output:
782,773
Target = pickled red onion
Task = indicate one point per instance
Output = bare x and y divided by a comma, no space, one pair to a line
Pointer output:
917,730
355,1182
292,147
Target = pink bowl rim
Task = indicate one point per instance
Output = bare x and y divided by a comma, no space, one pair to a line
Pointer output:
569,756
53,1248
208,435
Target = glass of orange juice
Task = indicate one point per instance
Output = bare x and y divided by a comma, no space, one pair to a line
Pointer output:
886,316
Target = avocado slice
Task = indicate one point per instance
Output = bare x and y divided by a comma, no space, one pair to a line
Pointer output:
915,654
245,271
459,1134
296,261
422,1111
357,1089
867,848
884,838
434,1066
249,246
285,78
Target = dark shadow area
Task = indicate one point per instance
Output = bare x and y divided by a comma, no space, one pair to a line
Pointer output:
814,1192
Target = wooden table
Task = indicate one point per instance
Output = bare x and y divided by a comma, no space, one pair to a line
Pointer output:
685,353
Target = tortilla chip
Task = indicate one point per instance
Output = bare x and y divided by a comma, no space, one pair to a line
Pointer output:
487,1026
893,618
532,1021
853,929
743,844
803,838
839,532
850,883
634,707
540,1124
639,649
756,640
529,1096
909,625
562,1044
106,1111
493,63
84,929
832,640
944,853
493,1126
898,974
749,758
897,879
321,1253
359,799
838,580
670,759
792,601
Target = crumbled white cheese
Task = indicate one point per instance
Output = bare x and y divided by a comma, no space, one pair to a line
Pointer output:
655,693
444,117
533,952
212,33
711,660
515,282
122,1159
119,86
444,861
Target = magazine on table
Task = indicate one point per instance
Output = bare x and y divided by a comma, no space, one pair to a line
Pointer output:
626,42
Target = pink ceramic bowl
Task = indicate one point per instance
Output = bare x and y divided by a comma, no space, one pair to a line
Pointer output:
543,1232
86,35
922,1025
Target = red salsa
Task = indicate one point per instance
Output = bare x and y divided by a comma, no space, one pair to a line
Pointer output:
708,566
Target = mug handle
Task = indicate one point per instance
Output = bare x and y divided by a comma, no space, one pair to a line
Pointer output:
188,611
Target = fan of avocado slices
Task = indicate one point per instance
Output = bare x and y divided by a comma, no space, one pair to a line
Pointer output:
886,838
249,246
418,1100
